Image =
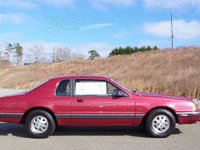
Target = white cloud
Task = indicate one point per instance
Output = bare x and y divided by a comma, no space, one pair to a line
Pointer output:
17,18
171,3
98,5
18,3
32,4
182,30
35,3
96,26
101,4
119,2
57,3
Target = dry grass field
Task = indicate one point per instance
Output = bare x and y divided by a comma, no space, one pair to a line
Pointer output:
175,72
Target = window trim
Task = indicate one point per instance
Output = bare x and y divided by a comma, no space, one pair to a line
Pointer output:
74,84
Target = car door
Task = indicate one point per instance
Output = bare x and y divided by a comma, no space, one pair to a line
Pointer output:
93,105
62,102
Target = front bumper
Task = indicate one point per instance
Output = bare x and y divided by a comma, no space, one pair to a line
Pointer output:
188,117
189,114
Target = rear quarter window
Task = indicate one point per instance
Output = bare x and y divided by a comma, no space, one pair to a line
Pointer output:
63,88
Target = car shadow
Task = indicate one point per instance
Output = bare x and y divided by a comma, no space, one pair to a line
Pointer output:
105,131
19,131
14,129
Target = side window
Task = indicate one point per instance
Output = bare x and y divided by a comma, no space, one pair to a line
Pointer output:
95,88
111,88
90,88
63,89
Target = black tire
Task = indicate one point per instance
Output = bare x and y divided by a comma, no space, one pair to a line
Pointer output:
160,123
39,124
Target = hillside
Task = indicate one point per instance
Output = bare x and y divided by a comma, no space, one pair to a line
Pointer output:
174,72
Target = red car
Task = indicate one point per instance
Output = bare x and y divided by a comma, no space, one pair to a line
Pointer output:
95,101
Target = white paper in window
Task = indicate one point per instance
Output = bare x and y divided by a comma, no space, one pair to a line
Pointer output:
91,88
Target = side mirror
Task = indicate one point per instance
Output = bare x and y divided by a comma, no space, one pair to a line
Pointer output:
118,93
115,93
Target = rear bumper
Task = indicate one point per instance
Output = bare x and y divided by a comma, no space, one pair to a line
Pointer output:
188,117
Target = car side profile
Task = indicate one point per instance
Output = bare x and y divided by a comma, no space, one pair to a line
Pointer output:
95,101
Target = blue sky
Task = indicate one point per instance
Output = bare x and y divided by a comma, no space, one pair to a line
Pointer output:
82,25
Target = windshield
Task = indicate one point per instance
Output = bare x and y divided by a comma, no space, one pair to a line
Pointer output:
123,86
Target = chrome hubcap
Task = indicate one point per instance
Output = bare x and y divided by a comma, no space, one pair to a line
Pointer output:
160,124
39,124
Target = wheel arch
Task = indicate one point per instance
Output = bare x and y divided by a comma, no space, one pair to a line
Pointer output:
22,121
166,108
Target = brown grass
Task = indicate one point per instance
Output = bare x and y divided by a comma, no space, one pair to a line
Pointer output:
175,72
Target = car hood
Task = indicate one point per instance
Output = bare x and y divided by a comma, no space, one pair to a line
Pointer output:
162,96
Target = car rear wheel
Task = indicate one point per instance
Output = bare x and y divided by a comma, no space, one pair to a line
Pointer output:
39,124
160,123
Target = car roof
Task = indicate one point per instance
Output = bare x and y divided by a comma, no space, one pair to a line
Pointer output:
81,77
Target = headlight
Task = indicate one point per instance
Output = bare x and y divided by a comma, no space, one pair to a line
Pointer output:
194,106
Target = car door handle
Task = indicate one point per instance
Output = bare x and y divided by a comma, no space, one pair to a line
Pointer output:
79,100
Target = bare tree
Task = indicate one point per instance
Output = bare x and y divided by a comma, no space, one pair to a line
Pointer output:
44,60
1,54
4,59
61,54
37,51
65,54
28,59
78,56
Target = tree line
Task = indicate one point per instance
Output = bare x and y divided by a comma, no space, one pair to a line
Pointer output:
60,54
129,50
13,54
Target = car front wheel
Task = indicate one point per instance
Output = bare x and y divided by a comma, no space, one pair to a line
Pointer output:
160,123
39,124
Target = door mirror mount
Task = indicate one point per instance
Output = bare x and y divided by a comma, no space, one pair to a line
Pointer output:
118,93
